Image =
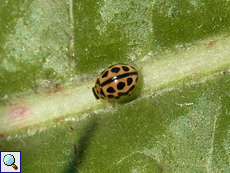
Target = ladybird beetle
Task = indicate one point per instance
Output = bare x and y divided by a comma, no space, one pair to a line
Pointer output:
116,81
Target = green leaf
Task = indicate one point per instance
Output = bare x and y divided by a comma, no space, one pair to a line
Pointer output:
51,54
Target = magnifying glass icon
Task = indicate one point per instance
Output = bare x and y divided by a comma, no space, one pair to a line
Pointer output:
9,160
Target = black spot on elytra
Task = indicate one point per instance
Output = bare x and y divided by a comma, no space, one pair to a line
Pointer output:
136,79
110,90
129,81
120,85
105,74
94,93
115,69
118,77
110,96
102,93
97,81
125,68
125,93
132,88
